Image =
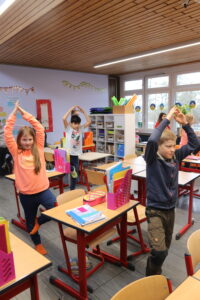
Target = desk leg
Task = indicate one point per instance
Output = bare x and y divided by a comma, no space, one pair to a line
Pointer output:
34,288
61,185
190,220
81,172
21,223
123,244
82,264
82,294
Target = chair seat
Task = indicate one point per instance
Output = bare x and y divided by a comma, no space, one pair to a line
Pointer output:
71,233
141,214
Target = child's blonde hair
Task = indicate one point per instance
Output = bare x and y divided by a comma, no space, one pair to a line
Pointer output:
166,136
25,130
189,118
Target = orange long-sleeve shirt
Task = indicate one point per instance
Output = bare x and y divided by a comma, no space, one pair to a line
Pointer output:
27,182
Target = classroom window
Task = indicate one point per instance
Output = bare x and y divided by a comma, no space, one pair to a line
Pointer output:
187,79
133,85
138,110
158,82
157,103
192,99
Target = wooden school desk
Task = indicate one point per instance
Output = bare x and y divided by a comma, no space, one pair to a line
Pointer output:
135,168
186,180
28,263
195,169
91,148
188,289
55,179
84,148
89,157
88,233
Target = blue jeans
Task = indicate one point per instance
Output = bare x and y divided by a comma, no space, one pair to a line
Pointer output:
74,162
30,204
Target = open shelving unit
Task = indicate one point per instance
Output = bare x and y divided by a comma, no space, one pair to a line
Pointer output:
114,133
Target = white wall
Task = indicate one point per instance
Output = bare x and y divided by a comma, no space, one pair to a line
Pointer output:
48,85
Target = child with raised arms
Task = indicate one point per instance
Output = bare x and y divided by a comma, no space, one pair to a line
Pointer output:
30,171
162,164
74,135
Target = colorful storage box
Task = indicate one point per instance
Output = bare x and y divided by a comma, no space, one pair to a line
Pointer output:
7,269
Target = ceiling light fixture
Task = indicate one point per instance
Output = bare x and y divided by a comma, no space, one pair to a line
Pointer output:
4,4
146,54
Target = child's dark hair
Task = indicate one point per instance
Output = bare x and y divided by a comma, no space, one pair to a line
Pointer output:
161,116
75,119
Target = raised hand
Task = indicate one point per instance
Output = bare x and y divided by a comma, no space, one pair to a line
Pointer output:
180,118
16,108
79,108
173,112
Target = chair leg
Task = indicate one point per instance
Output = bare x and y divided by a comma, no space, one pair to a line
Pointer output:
169,285
188,263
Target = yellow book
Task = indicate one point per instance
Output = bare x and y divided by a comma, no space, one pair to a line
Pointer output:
119,175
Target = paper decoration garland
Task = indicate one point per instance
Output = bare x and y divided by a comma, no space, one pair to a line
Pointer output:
137,108
162,106
81,84
152,106
16,88
192,104
178,104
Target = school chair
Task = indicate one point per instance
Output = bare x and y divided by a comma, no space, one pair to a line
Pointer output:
49,158
156,287
69,235
192,257
96,178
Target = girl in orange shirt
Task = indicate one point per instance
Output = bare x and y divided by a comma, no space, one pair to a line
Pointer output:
30,171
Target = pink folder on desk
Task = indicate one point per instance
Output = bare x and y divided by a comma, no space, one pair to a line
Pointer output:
61,164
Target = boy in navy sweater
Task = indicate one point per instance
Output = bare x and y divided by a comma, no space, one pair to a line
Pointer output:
162,162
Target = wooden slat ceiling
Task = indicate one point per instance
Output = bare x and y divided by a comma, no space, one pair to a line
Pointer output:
76,35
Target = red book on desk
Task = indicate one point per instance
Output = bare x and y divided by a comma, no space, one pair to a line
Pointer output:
3,243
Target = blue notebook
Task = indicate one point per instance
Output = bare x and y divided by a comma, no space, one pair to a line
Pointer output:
85,214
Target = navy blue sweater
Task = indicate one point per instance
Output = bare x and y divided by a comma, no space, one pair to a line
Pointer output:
162,175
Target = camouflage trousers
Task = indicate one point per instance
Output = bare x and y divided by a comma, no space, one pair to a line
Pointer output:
160,230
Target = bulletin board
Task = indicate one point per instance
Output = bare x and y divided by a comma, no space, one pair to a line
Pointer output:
44,114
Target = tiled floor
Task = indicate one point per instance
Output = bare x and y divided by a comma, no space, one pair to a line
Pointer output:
110,278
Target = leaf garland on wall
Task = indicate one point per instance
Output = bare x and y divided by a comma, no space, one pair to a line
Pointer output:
81,84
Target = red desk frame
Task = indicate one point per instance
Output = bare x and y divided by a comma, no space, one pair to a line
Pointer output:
82,240
31,283
27,280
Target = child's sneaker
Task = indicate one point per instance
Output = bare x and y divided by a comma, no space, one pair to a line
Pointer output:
35,228
39,248
74,173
